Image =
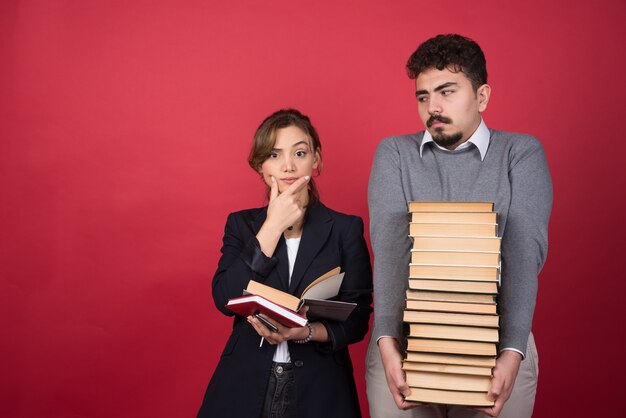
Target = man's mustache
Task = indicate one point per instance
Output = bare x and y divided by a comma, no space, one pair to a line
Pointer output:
437,118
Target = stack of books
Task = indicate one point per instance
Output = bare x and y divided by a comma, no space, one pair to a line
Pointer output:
450,303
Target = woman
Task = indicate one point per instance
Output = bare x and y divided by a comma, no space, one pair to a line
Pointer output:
304,371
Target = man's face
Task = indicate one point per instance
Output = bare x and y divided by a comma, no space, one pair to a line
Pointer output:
448,105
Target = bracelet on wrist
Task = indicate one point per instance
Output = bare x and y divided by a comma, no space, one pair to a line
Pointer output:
308,337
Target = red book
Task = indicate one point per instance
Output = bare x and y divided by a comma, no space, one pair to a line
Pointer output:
253,304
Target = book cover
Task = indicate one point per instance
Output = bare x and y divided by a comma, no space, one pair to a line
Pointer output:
446,368
446,318
424,206
253,304
435,306
489,244
453,230
454,217
446,381
451,347
472,273
457,286
449,397
449,297
454,332
455,359
329,309
456,258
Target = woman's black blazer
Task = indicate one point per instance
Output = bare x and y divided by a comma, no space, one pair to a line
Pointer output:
324,382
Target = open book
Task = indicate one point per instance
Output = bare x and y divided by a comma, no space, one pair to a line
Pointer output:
316,296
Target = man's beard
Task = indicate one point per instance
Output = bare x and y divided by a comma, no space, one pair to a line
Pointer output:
442,139
447,141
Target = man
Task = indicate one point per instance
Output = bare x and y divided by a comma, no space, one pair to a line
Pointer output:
457,158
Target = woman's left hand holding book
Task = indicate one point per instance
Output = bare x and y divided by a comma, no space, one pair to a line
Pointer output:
283,333
316,331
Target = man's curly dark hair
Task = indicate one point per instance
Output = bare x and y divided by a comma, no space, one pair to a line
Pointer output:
452,51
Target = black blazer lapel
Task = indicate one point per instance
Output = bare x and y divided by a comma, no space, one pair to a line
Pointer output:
314,234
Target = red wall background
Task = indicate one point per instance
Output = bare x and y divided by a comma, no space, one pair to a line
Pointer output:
124,131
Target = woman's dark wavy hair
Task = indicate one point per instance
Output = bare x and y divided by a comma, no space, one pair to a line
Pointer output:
453,52
265,139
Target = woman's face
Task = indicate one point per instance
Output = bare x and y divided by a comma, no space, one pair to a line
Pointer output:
290,159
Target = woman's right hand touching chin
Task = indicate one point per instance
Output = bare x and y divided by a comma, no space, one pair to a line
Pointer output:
284,210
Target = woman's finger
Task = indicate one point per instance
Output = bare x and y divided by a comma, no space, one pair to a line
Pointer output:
273,188
297,185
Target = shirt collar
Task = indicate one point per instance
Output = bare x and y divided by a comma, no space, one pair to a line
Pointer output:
480,138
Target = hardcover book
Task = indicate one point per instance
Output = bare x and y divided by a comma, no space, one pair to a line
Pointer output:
446,368
454,332
454,286
253,304
445,381
473,273
453,230
454,217
456,359
449,397
455,258
435,306
425,206
449,297
451,347
456,243
446,318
